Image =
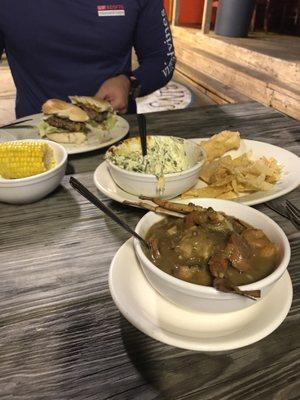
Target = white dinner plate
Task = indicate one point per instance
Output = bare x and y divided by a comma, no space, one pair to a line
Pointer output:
290,179
149,312
96,139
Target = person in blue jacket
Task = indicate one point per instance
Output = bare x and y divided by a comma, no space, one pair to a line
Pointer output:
60,48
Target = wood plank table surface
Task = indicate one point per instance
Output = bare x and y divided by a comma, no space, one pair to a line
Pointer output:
61,335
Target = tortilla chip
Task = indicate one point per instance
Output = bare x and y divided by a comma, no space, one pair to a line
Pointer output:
220,143
242,161
208,191
228,195
229,177
220,166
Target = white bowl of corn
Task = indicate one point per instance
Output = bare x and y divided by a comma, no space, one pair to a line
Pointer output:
30,169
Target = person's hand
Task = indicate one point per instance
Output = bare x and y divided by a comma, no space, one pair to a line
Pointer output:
116,91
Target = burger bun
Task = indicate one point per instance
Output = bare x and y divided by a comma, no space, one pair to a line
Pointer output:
96,104
63,109
67,138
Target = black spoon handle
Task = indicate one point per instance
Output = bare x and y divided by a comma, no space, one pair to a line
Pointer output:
18,127
98,203
12,124
143,132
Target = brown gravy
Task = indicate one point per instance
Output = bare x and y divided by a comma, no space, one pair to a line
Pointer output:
200,253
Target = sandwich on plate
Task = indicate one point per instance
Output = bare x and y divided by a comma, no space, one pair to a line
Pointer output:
64,122
99,111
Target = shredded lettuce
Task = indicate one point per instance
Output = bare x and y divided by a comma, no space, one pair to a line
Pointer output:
107,124
93,124
45,128
110,122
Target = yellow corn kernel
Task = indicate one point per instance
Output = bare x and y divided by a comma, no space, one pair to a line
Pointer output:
22,159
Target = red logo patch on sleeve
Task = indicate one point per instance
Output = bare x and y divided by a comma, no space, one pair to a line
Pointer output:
112,10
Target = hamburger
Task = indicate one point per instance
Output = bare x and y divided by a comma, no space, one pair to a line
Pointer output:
99,111
64,122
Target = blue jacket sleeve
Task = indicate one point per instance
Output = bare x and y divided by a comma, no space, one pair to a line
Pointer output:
154,47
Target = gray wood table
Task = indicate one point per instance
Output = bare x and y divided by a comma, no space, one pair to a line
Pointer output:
62,336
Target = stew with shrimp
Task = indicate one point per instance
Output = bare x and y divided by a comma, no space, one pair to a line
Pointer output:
212,249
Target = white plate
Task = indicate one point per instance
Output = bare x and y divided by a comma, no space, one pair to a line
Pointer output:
96,139
156,317
289,181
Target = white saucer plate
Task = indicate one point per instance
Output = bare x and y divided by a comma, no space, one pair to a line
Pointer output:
96,139
289,181
149,312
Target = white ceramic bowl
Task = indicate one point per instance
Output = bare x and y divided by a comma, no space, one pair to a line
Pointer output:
203,298
33,188
176,183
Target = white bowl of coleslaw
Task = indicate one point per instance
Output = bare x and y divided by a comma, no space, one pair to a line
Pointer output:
171,166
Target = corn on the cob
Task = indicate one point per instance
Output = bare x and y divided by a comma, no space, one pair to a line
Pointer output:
22,159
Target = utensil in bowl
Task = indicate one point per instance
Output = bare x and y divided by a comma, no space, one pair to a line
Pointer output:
143,132
99,204
33,188
204,298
